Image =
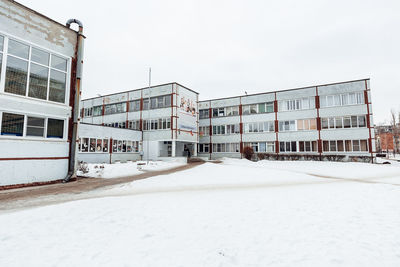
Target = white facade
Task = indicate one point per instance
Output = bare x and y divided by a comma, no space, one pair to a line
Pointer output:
166,128
36,56
316,122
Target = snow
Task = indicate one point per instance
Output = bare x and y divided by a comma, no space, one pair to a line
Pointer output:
237,213
118,169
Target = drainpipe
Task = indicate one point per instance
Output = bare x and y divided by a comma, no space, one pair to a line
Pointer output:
75,108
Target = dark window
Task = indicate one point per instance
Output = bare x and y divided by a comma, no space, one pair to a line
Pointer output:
35,127
12,124
55,128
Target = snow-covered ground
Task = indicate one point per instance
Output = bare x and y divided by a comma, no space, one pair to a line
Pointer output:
117,170
237,213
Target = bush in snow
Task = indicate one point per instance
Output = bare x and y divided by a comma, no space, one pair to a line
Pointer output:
248,152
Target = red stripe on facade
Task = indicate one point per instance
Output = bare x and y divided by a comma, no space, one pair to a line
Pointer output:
276,125
317,106
36,158
368,121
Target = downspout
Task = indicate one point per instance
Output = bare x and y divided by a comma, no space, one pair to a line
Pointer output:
77,94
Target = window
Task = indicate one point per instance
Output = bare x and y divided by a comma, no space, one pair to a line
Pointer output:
35,127
308,146
55,128
105,145
156,124
361,121
115,108
204,148
12,124
342,99
97,110
288,146
134,105
218,129
92,145
204,113
160,101
297,104
85,145
345,146
223,147
16,76
218,112
364,145
343,122
204,130
306,125
287,126
232,111
356,145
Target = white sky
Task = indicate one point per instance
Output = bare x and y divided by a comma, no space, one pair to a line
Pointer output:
222,48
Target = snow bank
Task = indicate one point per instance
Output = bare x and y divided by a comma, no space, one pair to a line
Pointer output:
237,213
117,170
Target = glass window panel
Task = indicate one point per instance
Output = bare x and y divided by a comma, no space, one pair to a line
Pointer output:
235,111
99,145
308,146
129,146
85,145
314,146
105,145
345,99
38,81
337,100
360,98
40,56
348,145
332,145
287,146
55,128
119,146
346,122
92,145
35,127
215,112
153,102
57,86
338,122
261,108
325,146
263,147
246,110
282,146
300,125
313,124
167,100
16,76
323,101
305,103
324,123
340,146
301,146
160,101
330,100
18,49
12,124
269,107
356,145
361,121
58,63
331,123
253,109
294,147
306,124
352,99
1,43
353,121
146,104
364,146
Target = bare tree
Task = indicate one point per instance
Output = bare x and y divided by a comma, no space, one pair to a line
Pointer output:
395,130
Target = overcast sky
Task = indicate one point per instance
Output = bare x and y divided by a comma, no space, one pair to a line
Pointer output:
223,48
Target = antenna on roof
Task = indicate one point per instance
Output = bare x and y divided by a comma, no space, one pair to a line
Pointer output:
245,92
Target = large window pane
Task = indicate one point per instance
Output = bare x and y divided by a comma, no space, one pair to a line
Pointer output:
58,63
12,124
38,81
16,76
261,108
364,146
35,127
1,43
40,56
57,86
361,121
55,128
18,49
